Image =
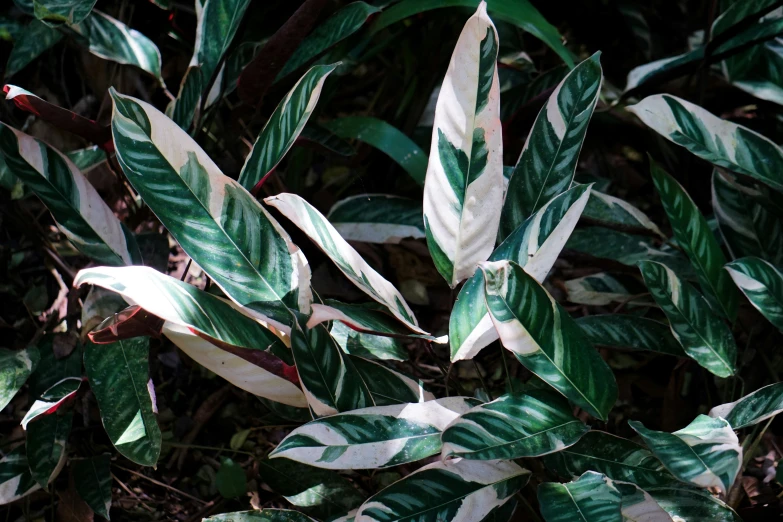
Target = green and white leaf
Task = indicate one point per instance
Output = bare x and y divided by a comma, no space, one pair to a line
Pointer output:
367,345
262,515
16,480
463,189
216,222
46,440
348,260
80,213
36,39
534,246
98,305
702,333
456,490
544,338
50,369
513,426
52,399
630,332
283,127
92,478
88,158
388,386
377,218
598,289
718,141
546,166
692,505
706,453
15,368
590,498
119,379
376,437
762,284
605,209
752,408
62,11
638,505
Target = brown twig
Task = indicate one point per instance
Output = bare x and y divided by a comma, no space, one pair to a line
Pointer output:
161,484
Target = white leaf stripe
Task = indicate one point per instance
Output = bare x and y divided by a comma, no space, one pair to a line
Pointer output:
463,189
603,208
388,386
638,505
597,289
377,218
52,398
752,408
762,284
16,481
590,498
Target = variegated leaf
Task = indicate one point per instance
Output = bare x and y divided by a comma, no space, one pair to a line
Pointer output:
377,218
57,12
16,480
218,223
119,378
77,208
92,478
88,158
604,209
46,440
36,38
718,141
367,345
692,505
630,332
348,260
285,124
513,426
616,457
545,167
762,284
52,399
706,453
15,368
752,408
457,490
262,515
702,333
463,189
590,498
388,386
638,506
376,437
693,234
598,289
544,338
368,318
534,246
98,305
52,369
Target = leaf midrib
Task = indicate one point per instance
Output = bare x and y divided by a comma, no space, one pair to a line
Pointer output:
536,434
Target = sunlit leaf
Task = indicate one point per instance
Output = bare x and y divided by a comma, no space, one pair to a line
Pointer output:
752,408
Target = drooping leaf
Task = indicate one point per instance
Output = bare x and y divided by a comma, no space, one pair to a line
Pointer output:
98,305
534,246
93,482
15,368
546,166
513,426
52,399
285,124
219,224
604,209
762,284
590,498
630,332
119,378
261,515
348,260
367,345
706,453
692,505
388,386
377,218
463,189
456,489
752,408
376,437
46,440
80,212
16,480
36,38
544,338
702,333
369,318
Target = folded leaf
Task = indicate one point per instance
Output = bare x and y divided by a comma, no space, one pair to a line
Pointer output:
371,438
15,368
377,218
718,141
706,453
463,190
46,440
16,480
535,245
752,408
630,332
92,478
544,338
545,167
692,505
36,38
514,426
604,209
762,284
590,498
261,515
455,490
703,335
80,212
218,223
51,400
62,11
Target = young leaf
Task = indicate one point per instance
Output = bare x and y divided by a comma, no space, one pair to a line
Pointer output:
218,223
92,478
534,246
544,338
372,438
285,124
703,335
90,157
590,498
453,490
545,167
705,453
15,368
36,38
463,190
16,480
80,212
604,209
46,439
348,260
387,386
762,284
514,426
377,218
752,408
119,378
692,505
52,399
693,234
718,141
57,12
262,515
630,332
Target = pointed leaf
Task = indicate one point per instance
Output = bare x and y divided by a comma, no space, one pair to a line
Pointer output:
590,498
16,481
463,190
752,408
630,332
388,386
706,453
514,426
52,399
62,11
703,335
605,209
36,38
692,505
93,482
261,515
377,218
544,338
762,284
46,440
15,368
